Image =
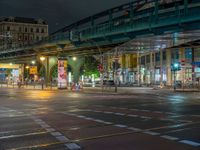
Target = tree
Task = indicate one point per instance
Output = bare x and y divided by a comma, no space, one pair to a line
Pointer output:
90,67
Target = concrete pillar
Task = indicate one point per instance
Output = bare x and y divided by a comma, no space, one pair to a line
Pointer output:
168,67
76,65
21,73
138,68
181,58
151,68
161,66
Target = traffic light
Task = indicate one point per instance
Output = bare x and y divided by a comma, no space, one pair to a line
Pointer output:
100,67
176,66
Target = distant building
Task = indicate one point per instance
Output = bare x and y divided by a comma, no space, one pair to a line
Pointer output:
18,31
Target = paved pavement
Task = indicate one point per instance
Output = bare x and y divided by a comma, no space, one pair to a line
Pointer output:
144,119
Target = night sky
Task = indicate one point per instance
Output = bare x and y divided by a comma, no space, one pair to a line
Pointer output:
58,13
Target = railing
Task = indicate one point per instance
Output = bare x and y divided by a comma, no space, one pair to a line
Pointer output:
143,18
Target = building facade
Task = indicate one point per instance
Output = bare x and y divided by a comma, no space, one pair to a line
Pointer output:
19,32
155,67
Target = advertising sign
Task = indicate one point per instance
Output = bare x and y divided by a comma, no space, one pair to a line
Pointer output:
62,74
33,70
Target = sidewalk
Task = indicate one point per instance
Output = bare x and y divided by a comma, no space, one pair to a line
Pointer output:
107,90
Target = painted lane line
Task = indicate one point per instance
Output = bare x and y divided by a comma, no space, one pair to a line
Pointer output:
50,129
38,120
62,138
145,110
144,117
192,143
72,146
80,116
55,133
132,115
45,126
120,125
123,108
119,114
134,109
159,112
169,137
88,118
98,120
97,111
170,113
135,129
151,133
108,112
107,123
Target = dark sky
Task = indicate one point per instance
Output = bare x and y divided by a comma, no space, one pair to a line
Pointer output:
58,13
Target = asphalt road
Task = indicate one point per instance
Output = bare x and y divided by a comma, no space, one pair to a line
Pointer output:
60,120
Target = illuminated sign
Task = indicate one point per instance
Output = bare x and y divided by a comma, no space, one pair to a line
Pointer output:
62,74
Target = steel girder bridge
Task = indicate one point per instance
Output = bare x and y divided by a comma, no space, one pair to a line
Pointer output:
104,31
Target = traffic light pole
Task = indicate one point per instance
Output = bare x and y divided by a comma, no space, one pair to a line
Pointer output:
174,80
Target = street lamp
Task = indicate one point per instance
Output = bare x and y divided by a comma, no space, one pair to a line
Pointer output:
33,62
74,58
42,58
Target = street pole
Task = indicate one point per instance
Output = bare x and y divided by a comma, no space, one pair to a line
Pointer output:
116,75
174,80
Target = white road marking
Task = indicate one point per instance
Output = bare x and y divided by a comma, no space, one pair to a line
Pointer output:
169,137
119,114
50,129
192,143
108,112
62,139
56,133
72,146
120,125
132,115
135,129
151,133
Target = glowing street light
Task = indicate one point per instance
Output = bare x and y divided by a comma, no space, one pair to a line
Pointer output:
42,58
33,62
74,58
11,64
27,67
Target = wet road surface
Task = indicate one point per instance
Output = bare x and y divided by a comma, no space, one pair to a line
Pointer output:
60,120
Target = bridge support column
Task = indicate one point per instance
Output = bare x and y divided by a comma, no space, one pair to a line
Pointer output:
161,66
48,62
168,67
76,65
182,58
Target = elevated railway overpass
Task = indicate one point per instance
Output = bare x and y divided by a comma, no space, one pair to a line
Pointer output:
174,22
138,26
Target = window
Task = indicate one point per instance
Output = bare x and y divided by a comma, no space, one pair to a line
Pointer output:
143,60
157,56
175,55
8,28
26,30
42,31
148,58
37,30
188,54
164,55
31,29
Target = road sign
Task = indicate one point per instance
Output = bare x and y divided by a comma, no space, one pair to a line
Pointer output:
33,70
